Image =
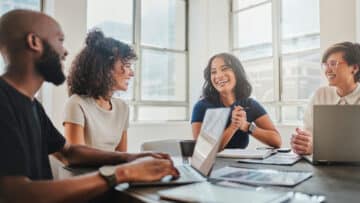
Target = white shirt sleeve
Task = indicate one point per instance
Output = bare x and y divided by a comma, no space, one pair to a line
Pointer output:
73,113
309,115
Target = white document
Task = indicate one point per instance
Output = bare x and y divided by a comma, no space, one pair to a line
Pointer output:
245,153
277,159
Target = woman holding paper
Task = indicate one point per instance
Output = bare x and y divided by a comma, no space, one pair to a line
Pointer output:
226,85
340,64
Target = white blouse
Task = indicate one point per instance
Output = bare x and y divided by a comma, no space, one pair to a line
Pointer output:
328,95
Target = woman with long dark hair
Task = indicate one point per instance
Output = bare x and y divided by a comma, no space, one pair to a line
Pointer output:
226,85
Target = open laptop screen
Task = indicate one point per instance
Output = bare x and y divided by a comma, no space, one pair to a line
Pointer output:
209,139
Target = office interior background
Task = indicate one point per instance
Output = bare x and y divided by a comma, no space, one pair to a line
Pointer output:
279,42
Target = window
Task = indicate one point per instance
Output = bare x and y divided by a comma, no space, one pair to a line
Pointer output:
157,29
7,5
280,50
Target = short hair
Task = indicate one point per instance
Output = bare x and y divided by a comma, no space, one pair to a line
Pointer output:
351,54
242,88
91,73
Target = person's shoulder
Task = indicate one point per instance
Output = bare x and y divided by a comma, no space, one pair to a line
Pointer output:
77,99
248,102
203,103
119,102
199,110
5,94
324,91
4,88
4,101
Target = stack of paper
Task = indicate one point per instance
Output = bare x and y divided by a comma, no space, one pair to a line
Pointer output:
246,153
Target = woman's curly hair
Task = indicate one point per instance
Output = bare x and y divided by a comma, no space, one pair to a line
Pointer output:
242,88
91,73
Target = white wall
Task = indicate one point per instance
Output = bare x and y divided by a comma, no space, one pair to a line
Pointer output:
357,11
337,22
208,34
71,15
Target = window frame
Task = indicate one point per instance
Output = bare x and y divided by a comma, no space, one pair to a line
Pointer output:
136,101
277,56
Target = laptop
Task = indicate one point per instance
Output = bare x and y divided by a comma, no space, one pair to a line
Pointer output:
336,134
206,148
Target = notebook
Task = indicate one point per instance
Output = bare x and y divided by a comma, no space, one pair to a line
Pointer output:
255,176
205,150
276,159
246,153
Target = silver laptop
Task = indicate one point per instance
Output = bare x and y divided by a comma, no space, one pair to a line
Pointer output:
336,134
206,148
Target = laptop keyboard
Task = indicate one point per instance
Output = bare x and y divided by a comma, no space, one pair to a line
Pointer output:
186,171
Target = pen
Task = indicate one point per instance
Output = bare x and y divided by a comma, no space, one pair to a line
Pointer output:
264,148
244,108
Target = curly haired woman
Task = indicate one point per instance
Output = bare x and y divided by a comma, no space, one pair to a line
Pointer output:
92,116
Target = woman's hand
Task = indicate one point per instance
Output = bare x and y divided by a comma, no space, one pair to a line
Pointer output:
301,142
239,119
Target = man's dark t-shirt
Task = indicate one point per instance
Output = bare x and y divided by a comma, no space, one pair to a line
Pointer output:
27,136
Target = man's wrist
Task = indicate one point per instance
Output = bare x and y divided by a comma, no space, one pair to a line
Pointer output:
109,175
122,175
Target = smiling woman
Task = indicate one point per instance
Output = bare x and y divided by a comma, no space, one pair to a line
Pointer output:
92,115
226,85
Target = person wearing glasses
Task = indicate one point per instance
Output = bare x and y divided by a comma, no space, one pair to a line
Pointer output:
226,85
340,63
92,115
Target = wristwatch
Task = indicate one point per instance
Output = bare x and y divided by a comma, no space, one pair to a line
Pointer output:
108,173
252,128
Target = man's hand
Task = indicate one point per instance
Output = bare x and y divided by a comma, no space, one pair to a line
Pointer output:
301,142
156,155
146,169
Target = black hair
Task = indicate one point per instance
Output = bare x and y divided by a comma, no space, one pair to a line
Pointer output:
91,72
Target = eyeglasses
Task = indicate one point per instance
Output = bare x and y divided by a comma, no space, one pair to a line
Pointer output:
333,65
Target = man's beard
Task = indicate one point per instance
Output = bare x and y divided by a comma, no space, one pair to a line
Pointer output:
49,65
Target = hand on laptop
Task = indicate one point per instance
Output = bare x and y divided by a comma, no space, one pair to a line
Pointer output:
238,119
146,169
157,155
301,142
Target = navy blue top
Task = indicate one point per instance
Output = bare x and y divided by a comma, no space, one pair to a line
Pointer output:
240,138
